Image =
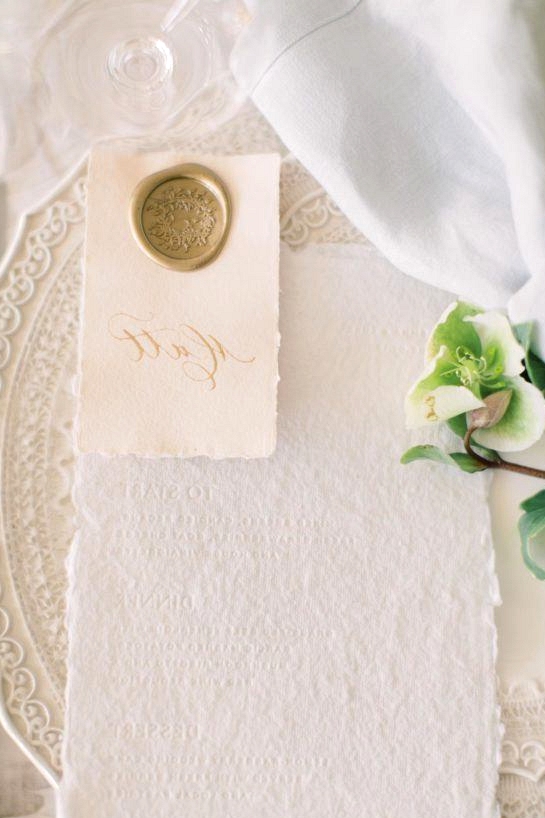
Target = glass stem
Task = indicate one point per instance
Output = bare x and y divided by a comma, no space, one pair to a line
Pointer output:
179,8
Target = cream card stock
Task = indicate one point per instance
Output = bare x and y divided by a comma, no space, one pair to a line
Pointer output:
304,636
180,363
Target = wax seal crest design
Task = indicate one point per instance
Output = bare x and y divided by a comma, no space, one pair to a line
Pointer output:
181,216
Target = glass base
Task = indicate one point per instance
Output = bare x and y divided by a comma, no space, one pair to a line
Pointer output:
115,68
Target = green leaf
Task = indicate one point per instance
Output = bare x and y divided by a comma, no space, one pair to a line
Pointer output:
523,334
466,462
534,503
532,533
458,425
426,452
535,367
489,454
459,459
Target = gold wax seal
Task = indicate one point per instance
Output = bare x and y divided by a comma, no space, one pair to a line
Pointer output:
181,216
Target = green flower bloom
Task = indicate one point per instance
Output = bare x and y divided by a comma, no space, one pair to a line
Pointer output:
470,355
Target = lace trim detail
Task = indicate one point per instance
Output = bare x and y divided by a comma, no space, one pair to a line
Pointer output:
519,801
521,789
19,687
37,508
22,277
32,264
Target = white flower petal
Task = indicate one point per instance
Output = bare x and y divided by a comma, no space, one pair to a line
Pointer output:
439,404
451,331
494,330
523,423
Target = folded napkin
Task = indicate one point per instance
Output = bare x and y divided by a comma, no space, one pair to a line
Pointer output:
426,123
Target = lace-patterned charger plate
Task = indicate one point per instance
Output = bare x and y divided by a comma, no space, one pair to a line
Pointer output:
40,287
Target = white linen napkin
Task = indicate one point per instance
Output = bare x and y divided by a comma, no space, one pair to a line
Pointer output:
307,635
426,123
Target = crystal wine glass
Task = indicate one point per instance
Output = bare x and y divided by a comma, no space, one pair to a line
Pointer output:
129,67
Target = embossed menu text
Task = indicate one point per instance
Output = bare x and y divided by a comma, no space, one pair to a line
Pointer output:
308,635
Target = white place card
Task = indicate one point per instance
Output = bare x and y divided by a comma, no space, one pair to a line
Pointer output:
177,363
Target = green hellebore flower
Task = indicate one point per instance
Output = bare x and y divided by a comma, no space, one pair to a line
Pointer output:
470,355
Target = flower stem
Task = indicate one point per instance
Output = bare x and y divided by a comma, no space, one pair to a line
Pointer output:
500,463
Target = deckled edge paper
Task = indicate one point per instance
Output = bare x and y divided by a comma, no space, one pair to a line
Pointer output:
309,635
177,363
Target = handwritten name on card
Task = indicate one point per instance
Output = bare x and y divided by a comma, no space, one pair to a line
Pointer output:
199,354
180,363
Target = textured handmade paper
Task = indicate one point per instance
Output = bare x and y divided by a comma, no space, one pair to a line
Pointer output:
180,363
305,636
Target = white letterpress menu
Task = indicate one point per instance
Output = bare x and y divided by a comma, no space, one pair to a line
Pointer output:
308,635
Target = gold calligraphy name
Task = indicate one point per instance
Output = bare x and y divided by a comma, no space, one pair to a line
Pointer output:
200,355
